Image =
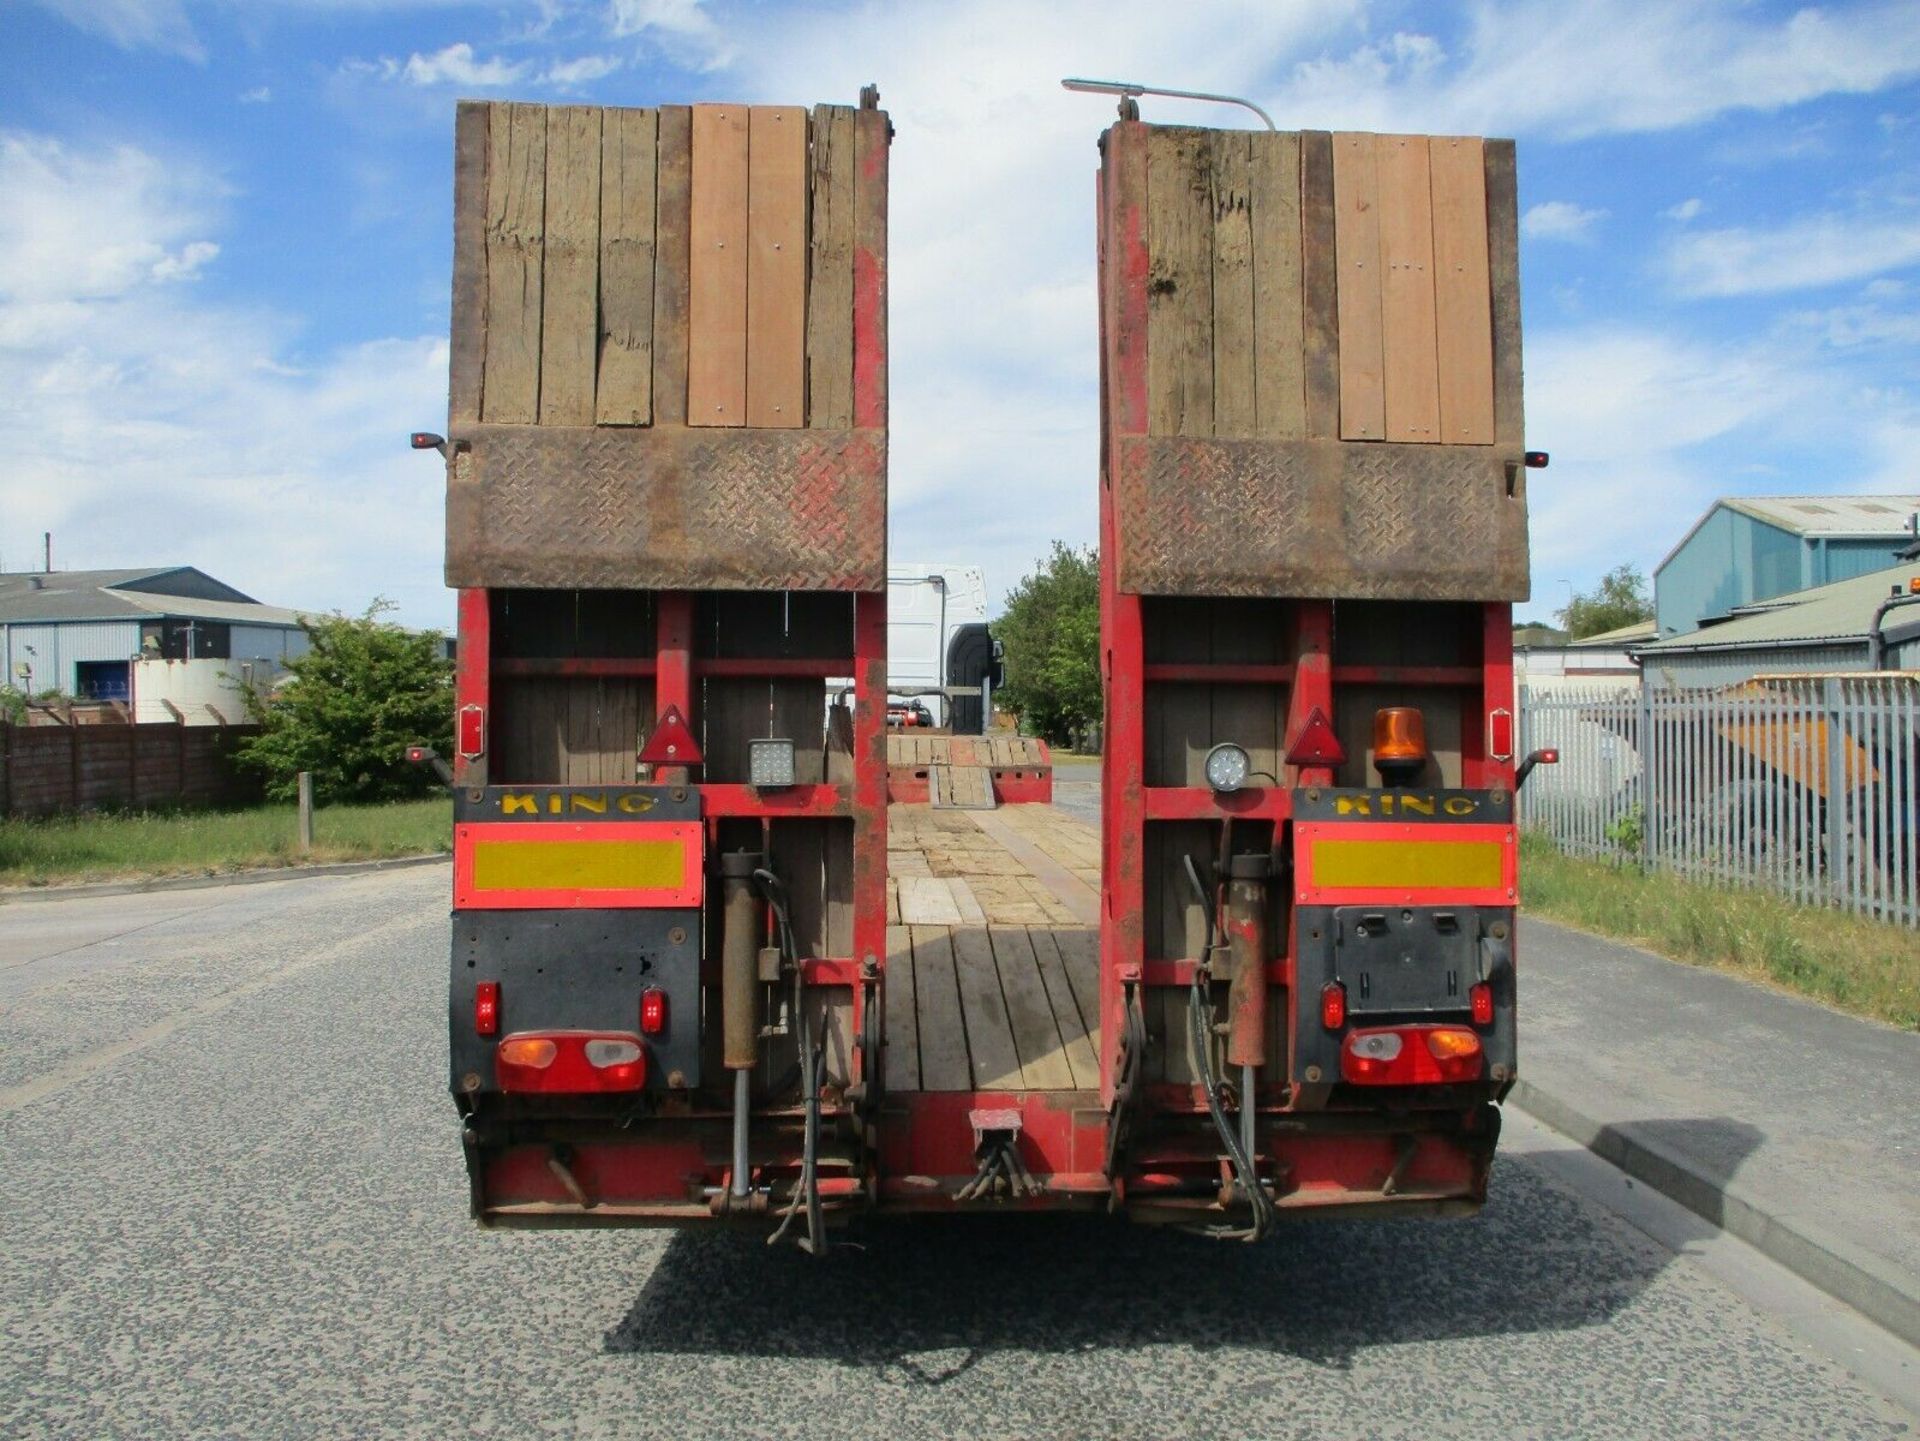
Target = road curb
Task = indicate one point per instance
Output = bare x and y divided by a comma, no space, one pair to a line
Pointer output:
1890,1298
229,878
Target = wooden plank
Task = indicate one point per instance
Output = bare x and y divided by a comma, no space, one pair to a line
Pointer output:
872,132
1080,954
902,1019
468,358
1319,286
830,296
994,1058
1280,393
629,146
1463,305
1036,1035
717,297
570,271
1407,304
1180,282
1356,239
672,273
776,266
1503,270
1077,1038
1234,347
965,902
926,901
516,219
943,1033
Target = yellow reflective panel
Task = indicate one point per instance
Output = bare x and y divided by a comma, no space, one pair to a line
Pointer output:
1407,865
573,865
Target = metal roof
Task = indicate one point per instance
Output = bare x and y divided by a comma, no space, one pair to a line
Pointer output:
1860,517
1619,636
50,597
1841,611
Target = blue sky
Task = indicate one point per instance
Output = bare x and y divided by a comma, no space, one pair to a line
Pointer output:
224,248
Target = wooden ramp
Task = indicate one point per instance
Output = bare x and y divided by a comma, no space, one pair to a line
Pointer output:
961,788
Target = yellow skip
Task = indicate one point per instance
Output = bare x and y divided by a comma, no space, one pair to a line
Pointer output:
575,865
1408,865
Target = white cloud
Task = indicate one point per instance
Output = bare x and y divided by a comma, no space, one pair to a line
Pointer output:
569,74
1582,67
134,24
1559,220
144,422
1688,209
1815,250
259,95
456,65
684,29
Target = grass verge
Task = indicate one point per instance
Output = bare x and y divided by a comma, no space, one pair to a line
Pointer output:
1865,967
57,850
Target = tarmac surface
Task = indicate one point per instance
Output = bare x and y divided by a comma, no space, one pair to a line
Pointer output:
237,1208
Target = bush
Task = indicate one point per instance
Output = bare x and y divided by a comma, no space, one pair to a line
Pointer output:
349,708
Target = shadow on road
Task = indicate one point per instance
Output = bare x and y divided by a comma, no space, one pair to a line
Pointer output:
932,1297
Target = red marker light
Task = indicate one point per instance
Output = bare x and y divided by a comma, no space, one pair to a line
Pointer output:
1480,997
653,1011
1549,757
486,1008
1333,1005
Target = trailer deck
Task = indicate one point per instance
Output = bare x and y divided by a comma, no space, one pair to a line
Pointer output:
992,950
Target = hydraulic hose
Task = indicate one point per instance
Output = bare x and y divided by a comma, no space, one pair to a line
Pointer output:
812,1077
1200,1032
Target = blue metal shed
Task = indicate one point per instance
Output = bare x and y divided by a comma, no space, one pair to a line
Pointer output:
1745,550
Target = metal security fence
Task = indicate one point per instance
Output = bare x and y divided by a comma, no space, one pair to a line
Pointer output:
1809,786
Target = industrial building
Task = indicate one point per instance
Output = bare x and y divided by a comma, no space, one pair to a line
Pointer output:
1751,549
1822,630
168,642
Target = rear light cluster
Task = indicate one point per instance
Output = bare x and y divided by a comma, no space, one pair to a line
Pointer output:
566,1062
1411,1056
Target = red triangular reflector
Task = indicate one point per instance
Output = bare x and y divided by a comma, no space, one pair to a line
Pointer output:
1315,744
672,742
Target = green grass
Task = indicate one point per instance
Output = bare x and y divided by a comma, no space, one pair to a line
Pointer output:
67,849
1865,967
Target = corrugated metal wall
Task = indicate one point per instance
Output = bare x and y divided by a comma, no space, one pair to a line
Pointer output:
1689,671
54,650
253,642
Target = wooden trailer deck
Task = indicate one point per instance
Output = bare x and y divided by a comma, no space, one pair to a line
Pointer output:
992,950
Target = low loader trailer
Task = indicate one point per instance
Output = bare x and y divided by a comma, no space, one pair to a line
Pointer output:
715,960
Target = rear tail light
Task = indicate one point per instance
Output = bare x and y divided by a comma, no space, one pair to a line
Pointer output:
530,1053
653,1011
1333,1005
486,1008
1411,1056
1480,997
570,1062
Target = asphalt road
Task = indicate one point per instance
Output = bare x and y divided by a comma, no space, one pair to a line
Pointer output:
235,1208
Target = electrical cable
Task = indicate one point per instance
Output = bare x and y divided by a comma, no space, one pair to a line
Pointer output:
1199,1029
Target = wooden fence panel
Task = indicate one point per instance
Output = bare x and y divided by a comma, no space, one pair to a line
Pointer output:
47,770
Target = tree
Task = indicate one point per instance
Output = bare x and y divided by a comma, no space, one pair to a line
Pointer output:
1050,634
1620,599
365,690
